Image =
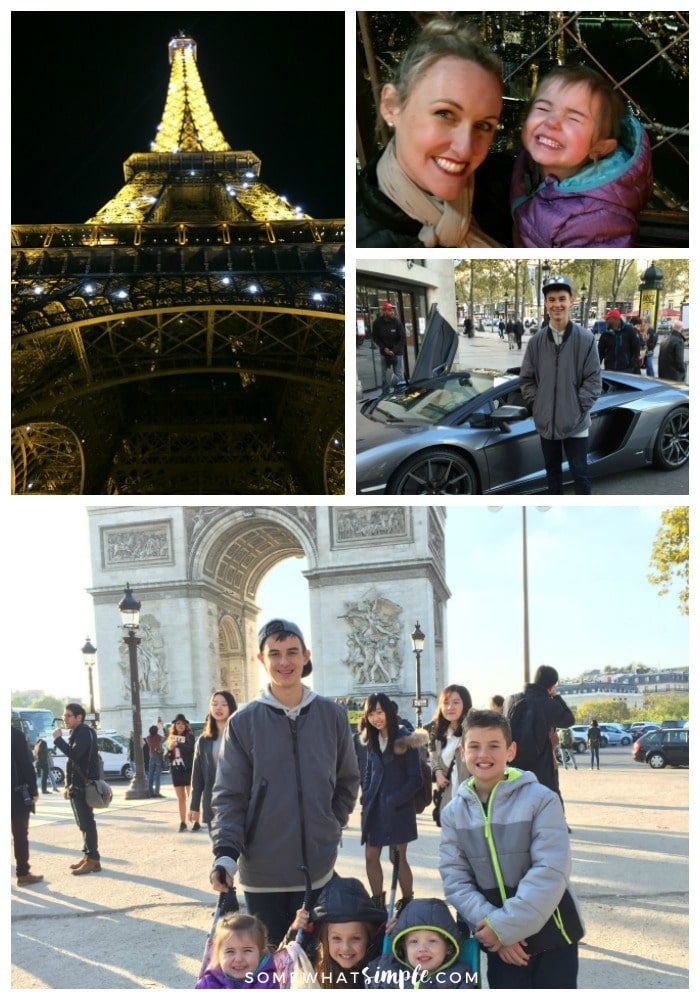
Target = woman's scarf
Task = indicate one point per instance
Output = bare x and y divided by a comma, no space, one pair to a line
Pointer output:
445,223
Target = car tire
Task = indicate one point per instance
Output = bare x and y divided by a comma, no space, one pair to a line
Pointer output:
656,760
581,747
439,471
625,742
603,741
672,446
127,771
58,775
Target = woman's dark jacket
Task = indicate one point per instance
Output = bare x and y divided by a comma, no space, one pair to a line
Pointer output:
22,773
381,223
203,775
389,788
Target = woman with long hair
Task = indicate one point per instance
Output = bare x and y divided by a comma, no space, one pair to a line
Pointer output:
392,778
222,705
443,108
180,744
446,761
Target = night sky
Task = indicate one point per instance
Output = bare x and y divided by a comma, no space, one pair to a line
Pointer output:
89,89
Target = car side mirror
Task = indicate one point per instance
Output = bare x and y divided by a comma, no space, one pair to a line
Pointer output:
504,416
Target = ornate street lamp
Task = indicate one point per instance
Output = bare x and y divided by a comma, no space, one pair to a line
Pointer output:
418,640
130,610
584,324
89,651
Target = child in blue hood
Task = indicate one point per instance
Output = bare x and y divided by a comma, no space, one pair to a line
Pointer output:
584,173
424,952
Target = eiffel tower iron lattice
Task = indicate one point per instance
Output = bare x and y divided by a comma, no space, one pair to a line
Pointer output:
187,338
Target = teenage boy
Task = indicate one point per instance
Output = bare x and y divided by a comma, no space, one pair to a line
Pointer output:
560,379
505,863
286,783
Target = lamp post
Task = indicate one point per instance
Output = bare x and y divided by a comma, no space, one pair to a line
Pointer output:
583,306
526,593
89,651
130,608
418,640
545,275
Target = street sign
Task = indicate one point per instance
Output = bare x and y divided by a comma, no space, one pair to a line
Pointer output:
420,702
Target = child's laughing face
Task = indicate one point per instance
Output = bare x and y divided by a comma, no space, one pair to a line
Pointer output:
560,131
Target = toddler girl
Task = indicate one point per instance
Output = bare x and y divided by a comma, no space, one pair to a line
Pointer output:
585,171
241,958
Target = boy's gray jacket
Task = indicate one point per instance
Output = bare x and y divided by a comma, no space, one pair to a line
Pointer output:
528,832
285,786
561,382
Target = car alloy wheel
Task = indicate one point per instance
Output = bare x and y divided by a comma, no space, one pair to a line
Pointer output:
439,472
672,446
656,760
581,747
625,741
128,771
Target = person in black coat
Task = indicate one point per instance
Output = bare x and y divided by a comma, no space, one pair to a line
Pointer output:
392,778
23,796
672,355
83,767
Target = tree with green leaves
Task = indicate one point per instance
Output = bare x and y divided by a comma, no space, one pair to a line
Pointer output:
670,554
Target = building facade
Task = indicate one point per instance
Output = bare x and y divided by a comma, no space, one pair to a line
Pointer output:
372,573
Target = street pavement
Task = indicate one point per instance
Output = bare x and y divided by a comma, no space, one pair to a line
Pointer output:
142,922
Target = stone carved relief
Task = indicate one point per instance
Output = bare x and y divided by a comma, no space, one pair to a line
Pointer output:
153,677
356,523
374,631
197,518
138,545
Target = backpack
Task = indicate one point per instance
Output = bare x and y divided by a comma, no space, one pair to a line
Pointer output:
529,731
424,797
566,738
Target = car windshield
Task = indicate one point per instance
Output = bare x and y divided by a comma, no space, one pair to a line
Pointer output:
437,399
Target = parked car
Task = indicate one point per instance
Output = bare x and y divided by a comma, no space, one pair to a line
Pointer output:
639,728
460,433
112,749
613,735
663,747
580,735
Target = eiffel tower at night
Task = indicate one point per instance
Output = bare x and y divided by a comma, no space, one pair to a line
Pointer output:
166,344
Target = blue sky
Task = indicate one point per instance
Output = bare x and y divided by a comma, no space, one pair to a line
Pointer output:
590,604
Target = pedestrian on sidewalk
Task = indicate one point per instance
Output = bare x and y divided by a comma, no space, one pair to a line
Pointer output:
23,799
593,737
155,761
222,705
180,744
41,756
82,766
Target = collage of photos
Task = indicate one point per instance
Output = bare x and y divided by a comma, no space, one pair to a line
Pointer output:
273,725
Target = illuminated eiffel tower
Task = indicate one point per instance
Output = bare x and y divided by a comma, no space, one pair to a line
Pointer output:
186,339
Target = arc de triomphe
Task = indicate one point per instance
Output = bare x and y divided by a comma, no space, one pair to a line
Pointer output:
372,573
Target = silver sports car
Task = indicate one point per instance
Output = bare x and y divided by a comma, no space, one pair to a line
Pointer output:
457,433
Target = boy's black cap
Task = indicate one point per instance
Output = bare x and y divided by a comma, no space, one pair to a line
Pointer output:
277,625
